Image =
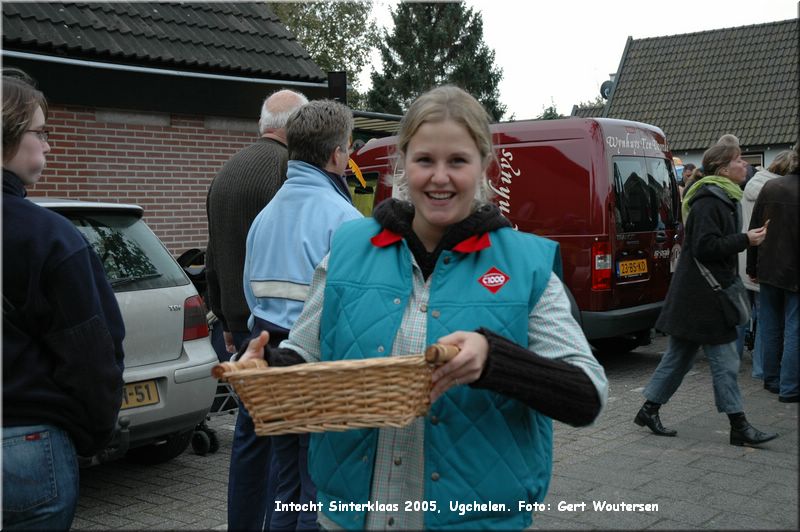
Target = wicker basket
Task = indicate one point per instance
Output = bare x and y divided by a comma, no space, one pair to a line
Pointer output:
335,396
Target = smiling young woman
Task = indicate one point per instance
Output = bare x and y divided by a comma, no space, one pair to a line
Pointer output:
441,264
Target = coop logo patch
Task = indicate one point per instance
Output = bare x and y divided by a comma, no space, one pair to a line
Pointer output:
493,280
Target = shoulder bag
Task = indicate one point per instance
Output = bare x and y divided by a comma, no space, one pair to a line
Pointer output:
733,299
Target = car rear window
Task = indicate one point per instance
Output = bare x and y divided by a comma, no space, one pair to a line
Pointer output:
132,255
646,195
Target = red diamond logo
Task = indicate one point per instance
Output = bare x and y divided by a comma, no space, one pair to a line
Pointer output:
493,280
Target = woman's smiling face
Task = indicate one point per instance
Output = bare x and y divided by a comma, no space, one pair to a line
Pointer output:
444,167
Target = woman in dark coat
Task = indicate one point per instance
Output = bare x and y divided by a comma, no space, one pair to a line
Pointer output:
692,315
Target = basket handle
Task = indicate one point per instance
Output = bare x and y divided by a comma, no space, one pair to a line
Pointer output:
221,370
440,353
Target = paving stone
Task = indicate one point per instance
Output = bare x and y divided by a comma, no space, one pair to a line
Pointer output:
687,513
736,520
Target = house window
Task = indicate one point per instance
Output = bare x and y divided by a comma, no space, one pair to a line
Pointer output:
754,158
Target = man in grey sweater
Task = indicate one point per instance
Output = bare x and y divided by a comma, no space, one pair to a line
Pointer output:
244,186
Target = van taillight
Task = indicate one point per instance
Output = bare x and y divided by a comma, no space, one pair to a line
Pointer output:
601,266
194,319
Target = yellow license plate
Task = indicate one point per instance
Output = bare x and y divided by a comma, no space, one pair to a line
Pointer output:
141,393
630,268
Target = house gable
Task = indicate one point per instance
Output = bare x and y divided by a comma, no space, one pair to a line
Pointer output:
698,86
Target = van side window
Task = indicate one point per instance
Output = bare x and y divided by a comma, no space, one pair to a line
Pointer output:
644,193
659,176
636,199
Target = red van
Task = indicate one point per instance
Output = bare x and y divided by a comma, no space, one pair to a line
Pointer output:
604,189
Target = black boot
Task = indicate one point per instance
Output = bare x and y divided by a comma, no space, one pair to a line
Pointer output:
648,415
743,433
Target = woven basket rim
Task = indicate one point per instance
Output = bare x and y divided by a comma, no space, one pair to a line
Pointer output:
333,365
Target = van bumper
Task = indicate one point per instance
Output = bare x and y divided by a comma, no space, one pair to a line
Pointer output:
620,322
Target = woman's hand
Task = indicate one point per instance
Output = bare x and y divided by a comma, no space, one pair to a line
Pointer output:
255,349
465,367
757,236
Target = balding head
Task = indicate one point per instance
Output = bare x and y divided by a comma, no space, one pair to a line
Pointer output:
277,108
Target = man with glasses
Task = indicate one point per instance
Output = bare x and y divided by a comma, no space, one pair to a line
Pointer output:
243,186
62,334
284,245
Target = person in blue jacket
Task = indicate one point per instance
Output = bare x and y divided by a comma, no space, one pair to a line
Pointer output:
62,334
439,263
286,241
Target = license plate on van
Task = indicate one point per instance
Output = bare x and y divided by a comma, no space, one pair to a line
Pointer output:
140,393
632,268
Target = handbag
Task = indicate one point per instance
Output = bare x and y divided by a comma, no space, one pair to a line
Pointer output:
733,299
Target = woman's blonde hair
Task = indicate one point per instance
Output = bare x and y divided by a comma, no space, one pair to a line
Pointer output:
782,163
438,105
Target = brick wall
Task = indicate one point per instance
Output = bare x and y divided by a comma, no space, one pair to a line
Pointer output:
165,163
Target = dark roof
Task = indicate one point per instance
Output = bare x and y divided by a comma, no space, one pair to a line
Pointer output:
238,39
699,86
587,111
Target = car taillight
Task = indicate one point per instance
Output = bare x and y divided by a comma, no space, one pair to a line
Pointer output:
194,319
601,266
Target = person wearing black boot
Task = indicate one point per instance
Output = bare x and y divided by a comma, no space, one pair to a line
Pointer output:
692,314
648,415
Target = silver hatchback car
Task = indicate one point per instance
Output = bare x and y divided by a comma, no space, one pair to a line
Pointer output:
168,354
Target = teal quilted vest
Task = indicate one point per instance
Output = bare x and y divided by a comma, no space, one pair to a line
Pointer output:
482,446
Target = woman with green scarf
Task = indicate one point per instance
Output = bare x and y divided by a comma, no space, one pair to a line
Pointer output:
692,314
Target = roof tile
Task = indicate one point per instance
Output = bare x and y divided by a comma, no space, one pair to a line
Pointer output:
742,80
231,37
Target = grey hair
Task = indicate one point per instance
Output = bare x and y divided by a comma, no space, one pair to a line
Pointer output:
316,129
729,139
277,108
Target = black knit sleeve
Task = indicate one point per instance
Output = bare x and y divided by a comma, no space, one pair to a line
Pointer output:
555,388
283,356
275,356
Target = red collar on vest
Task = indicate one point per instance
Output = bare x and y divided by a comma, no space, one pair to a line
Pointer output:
469,245
473,244
385,238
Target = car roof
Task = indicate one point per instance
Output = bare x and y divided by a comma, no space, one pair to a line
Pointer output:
60,204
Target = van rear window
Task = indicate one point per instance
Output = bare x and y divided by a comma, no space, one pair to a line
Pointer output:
647,198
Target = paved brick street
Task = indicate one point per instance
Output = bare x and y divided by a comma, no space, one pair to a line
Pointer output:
697,479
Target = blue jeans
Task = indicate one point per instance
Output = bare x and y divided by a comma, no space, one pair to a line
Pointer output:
294,482
742,330
778,326
40,478
251,477
679,359
758,351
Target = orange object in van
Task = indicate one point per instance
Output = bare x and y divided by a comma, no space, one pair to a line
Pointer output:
604,189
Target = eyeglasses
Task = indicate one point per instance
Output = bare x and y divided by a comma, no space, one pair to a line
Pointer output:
43,134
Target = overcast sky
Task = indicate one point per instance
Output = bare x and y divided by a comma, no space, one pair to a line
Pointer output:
560,51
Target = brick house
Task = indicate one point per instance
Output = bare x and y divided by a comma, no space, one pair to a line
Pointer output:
699,86
148,100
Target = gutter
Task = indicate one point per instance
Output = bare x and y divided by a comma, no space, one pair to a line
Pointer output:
377,116
160,71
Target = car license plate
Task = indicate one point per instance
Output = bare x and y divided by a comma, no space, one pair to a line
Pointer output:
140,393
631,268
